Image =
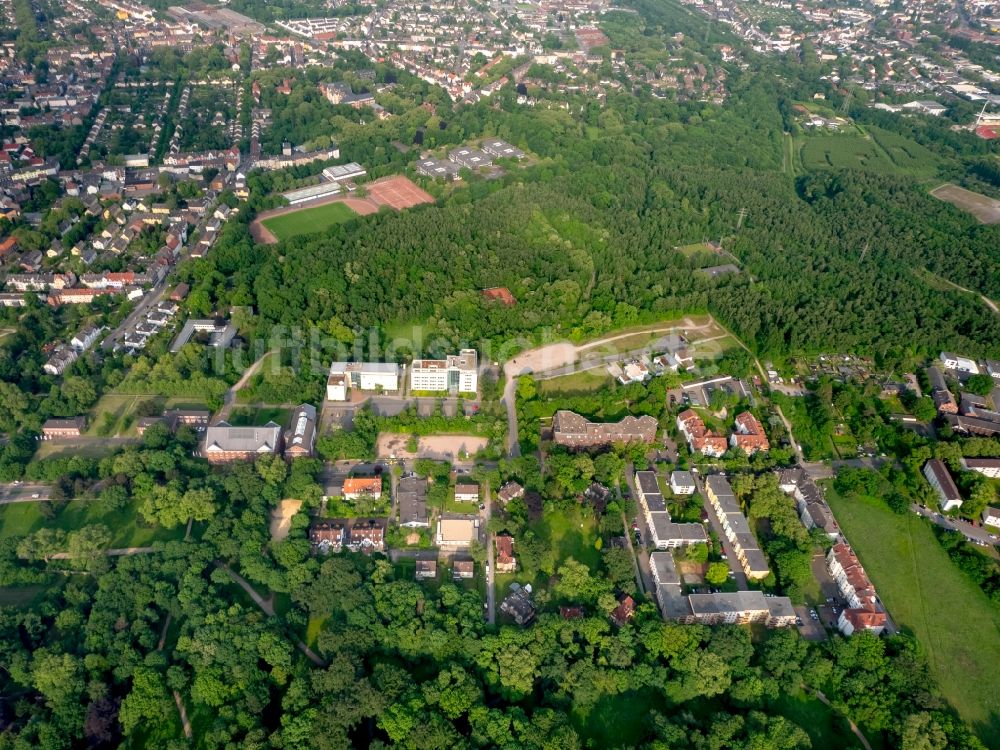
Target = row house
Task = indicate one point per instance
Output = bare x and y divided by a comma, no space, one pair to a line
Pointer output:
357,535
736,527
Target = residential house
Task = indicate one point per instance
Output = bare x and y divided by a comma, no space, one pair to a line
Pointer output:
510,491
85,338
467,493
505,560
749,434
60,360
518,605
327,536
411,497
991,517
741,607
624,612
682,483
463,569
736,527
944,486
367,535
574,431
988,467
961,364
358,487
426,570
699,438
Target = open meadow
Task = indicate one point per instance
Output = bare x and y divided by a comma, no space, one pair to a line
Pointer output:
955,624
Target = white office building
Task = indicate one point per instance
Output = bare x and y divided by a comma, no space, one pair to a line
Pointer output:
363,376
457,373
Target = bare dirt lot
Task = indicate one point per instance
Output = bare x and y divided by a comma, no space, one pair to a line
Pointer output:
439,447
281,519
984,208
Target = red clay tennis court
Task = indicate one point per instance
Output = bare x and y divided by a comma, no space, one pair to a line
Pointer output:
398,193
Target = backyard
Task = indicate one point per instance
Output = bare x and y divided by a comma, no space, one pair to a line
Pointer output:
920,586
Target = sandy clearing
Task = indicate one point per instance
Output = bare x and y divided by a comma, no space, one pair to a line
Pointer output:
544,358
281,518
440,447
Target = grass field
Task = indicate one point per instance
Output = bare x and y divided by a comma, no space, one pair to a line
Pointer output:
309,220
246,416
823,727
122,408
694,249
585,381
127,528
956,625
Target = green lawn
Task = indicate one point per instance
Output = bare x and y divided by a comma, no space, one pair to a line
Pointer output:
19,596
585,381
309,220
926,594
619,720
122,408
250,416
823,727
572,534
126,526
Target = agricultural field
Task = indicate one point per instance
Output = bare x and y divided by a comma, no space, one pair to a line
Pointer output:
875,151
984,208
919,585
309,220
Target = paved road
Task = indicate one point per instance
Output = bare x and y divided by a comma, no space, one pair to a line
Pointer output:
24,493
152,297
642,559
491,589
974,534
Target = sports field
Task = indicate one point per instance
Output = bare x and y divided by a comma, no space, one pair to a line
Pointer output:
309,220
927,595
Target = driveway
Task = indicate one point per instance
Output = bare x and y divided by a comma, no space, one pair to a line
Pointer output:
975,534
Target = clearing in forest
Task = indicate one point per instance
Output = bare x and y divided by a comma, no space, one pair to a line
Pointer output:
984,208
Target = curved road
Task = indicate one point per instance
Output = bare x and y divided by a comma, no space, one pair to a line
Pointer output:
566,355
